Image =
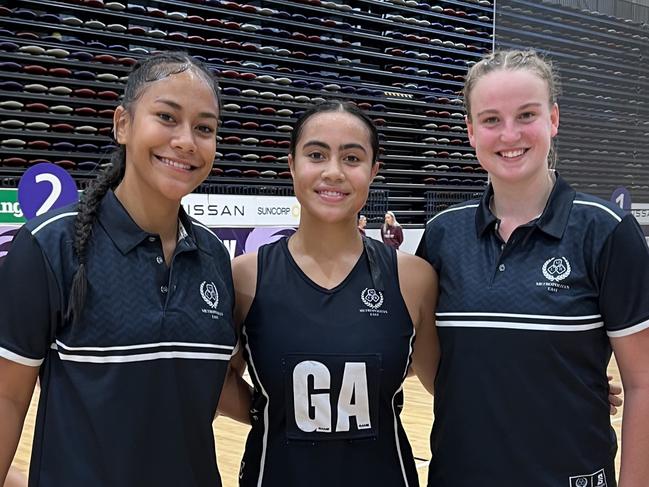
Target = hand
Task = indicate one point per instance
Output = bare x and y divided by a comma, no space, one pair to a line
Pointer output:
614,399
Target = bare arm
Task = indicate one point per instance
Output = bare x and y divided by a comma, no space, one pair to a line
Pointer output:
237,394
632,355
614,396
418,282
15,478
16,388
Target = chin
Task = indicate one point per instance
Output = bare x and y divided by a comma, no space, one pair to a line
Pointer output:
175,191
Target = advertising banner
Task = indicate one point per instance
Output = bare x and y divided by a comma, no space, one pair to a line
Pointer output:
10,211
244,240
225,210
243,223
641,213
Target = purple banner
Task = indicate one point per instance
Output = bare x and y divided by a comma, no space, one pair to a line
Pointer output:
244,240
237,240
7,234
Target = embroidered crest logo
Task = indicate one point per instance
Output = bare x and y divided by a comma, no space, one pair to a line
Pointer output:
597,479
556,269
210,294
372,298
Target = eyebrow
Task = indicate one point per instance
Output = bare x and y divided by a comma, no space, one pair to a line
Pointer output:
176,106
352,145
523,107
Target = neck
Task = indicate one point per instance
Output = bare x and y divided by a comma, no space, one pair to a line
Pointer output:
524,201
158,216
324,241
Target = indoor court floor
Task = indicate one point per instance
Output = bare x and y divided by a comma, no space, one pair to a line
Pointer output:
230,435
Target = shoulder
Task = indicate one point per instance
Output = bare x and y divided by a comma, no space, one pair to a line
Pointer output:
208,240
244,274
53,223
415,273
596,221
464,210
597,209
244,265
418,286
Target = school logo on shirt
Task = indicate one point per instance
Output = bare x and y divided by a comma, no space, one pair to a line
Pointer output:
210,295
373,300
555,269
597,479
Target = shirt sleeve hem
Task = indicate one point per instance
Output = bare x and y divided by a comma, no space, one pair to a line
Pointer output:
14,357
629,331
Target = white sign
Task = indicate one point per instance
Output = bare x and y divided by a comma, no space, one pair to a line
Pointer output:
231,210
641,212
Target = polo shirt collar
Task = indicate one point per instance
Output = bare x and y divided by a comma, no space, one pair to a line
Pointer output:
552,221
484,218
127,235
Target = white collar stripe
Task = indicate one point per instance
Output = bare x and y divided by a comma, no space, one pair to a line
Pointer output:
19,359
629,331
601,207
453,209
519,326
51,220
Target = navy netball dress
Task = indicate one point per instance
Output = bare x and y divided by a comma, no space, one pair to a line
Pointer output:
328,367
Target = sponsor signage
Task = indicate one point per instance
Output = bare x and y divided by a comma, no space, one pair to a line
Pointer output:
45,187
221,210
641,212
10,211
622,198
213,210
7,234
243,223
244,240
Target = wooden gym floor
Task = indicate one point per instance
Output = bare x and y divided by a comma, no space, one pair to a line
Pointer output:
230,436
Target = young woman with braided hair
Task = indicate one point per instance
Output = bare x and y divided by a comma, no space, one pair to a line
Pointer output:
122,304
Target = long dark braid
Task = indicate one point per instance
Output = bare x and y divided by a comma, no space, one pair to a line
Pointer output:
154,68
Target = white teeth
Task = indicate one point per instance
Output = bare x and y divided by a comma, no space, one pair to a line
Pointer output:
171,163
513,153
331,193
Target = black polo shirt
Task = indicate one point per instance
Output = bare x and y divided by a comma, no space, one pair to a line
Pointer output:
129,393
524,327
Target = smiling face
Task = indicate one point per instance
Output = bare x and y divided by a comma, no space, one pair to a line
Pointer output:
332,167
511,125
170,136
